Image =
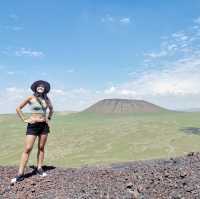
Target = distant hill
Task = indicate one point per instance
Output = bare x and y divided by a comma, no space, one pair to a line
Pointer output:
193,110
123,106
64,112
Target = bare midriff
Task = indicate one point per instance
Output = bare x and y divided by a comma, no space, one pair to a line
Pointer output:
37,117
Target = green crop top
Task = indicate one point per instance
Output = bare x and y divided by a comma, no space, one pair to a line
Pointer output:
35,106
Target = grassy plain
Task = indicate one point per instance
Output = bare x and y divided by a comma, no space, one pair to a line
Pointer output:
79,139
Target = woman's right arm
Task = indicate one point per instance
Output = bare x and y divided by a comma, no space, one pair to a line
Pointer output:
19,111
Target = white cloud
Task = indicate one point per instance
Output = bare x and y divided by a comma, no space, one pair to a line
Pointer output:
73,99
175,87
184,43
12,51
125,20
197,20
15,93
173,81
110,90
63,99
58,92
14,17
28,52
10,98
156,55
178,35
71,70
15,28
111,19
11,27
15,72
10,72
107,18
172,47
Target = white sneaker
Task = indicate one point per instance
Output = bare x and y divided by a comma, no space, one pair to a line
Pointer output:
17,178
41,172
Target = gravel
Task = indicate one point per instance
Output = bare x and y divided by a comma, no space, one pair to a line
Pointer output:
174,178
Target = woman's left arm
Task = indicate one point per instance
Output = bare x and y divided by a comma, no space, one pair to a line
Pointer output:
50,109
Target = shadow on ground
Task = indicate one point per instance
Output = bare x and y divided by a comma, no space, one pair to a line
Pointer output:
33,172
191,130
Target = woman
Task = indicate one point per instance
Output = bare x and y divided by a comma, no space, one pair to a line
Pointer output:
37,126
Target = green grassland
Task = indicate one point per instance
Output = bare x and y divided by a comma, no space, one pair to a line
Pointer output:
79,139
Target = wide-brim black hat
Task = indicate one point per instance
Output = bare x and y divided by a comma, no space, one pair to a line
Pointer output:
45,83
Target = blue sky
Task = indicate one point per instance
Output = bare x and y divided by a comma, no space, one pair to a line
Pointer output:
91,50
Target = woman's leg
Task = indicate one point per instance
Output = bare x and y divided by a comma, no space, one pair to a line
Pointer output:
29,141
42,138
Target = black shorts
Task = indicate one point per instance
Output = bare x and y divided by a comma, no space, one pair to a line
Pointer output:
37,128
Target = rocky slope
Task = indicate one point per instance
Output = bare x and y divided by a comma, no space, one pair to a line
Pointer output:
162,178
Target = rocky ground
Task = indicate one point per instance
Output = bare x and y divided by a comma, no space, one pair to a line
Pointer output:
165,178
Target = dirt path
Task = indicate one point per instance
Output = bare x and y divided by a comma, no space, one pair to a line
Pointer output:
171,178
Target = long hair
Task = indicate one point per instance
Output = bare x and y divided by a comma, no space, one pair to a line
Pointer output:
44,96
